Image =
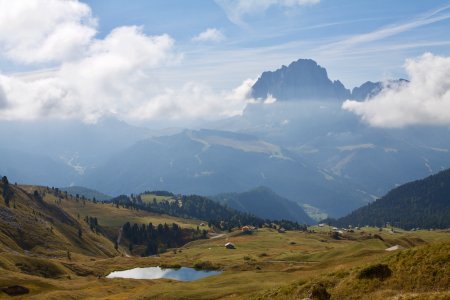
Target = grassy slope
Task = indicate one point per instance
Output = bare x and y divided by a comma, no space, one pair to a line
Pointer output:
266,264
418,273
44,227
110,216
36,236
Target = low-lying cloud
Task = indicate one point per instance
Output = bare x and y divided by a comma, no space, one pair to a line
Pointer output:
425,100
200,100
91,78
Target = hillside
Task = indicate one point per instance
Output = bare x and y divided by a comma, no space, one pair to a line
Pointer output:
33,224
419,273
423,203
88,193
265,203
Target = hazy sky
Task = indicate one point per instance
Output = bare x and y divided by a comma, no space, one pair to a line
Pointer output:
181,59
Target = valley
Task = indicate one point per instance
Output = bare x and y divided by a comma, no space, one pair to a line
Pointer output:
51,260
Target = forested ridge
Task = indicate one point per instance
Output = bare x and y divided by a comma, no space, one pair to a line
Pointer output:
419,204
202,208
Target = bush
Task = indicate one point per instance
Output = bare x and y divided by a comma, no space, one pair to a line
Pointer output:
170,266
319,292
205,265
334,235
380,271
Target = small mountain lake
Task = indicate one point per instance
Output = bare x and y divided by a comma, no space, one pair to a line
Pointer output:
182,274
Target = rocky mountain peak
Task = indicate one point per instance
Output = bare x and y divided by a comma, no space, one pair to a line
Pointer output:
303,79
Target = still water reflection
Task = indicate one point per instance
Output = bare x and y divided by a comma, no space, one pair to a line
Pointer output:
182,274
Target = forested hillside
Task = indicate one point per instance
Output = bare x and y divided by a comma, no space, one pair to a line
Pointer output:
423,203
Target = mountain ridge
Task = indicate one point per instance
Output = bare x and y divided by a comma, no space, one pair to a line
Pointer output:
305,79
187,165
423,203
265,203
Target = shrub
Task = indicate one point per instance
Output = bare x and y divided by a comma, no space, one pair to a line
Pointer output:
319,292
205,265
380,271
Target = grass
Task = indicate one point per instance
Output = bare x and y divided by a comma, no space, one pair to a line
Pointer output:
264,265
109,215
150,197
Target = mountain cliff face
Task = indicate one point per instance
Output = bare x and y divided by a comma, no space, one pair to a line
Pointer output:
303,79
423,203
366,90
370,89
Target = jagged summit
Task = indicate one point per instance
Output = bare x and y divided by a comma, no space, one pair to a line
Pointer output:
303,79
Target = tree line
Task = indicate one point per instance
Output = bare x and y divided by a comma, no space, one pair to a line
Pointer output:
157,239
202,208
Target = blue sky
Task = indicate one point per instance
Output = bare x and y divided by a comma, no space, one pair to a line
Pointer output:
152,61
280,34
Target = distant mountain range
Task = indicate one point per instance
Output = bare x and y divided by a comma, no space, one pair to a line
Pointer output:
265,203
423,203
303,146
208,162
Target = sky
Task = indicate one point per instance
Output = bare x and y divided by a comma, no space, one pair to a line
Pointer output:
173,59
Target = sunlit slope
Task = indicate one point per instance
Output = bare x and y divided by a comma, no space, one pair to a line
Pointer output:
35,223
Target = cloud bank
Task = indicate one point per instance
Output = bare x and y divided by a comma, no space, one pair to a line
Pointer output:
425,100
90,77
237,9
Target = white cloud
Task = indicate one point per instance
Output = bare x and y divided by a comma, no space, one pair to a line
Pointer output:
425,100
209,35
201,101
113,78
237,9
37,31
91,78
